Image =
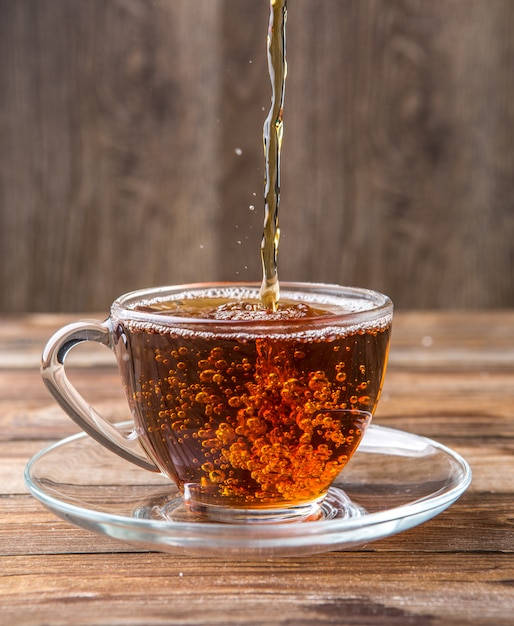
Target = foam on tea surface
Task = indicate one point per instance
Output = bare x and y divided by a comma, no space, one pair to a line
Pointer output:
216,308
253,311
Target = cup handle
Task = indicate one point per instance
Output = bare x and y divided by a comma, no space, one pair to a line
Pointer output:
56,381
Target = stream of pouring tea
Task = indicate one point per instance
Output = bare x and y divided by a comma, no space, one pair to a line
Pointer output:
272,138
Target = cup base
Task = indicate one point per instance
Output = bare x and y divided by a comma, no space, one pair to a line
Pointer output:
335,505
211,513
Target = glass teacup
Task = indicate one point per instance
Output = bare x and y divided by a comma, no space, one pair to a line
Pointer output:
252,413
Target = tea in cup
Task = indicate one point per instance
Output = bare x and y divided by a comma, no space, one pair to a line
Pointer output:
251,412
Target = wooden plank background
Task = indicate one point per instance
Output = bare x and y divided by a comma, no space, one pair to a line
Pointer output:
131,148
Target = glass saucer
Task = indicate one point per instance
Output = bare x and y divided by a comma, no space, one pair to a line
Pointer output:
395,480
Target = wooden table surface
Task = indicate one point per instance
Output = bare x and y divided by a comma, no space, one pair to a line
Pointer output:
450,377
